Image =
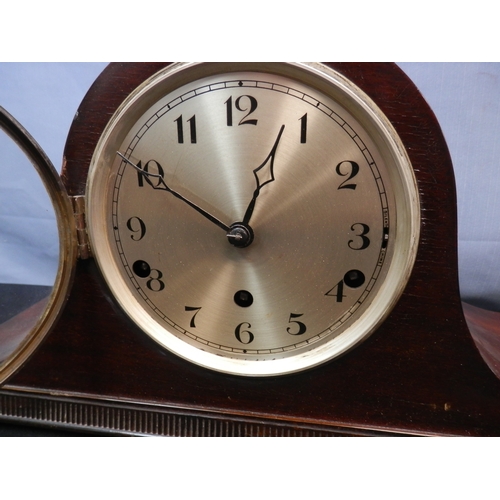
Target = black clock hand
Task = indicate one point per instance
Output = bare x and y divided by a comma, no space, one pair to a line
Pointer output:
163,186
267,176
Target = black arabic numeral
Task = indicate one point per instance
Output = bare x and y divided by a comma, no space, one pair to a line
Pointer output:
188,309
350,169
247,335
157,170
137,227
229,112
337,291
180,129
353,279
155,284
302,327
365,241
192,129
143,270
303,129
241,105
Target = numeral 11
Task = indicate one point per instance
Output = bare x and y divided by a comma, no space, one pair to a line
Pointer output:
180,129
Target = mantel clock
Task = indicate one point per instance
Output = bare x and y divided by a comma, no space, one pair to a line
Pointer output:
251,249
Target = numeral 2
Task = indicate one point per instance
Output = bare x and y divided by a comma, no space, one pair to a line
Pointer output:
351,170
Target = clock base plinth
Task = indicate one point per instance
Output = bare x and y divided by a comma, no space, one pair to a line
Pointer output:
97,370
97,417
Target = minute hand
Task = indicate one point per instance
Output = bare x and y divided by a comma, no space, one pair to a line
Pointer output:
266,171
163,187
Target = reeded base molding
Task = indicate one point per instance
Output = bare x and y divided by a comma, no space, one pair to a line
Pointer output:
125,419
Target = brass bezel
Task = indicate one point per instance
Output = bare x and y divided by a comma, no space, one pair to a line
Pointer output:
67,246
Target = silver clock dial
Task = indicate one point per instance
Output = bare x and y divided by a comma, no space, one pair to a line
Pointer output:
253,222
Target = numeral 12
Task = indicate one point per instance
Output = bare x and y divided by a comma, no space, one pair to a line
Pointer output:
241,104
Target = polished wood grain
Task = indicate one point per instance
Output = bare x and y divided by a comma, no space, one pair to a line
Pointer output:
16,329
99,104
419,373
485,329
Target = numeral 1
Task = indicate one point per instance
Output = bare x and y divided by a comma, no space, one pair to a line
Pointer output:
303,129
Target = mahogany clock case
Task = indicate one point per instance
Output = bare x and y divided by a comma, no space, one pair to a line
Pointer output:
420,373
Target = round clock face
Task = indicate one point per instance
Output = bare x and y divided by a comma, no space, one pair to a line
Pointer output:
255,220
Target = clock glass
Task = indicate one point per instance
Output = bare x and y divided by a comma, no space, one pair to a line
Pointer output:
38,245
253,219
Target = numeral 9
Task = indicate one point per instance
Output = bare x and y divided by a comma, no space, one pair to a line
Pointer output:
137,226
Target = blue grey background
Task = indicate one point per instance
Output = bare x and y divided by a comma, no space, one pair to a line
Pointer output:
465,97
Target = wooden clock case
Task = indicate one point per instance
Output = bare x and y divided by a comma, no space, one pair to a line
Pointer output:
420,373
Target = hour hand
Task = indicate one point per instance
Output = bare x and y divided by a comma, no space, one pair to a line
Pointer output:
264,174
161,185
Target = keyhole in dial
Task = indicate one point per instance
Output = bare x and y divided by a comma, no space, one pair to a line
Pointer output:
354,278
141,268
243,298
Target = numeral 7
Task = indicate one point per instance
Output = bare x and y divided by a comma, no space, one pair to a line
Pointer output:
197,309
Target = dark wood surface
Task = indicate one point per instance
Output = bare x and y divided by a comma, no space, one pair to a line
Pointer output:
15,330
101,101
485,329
420,373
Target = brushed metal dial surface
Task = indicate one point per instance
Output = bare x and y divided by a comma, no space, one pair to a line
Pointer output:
294,155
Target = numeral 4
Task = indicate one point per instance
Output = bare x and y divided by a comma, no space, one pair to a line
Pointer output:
353,279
